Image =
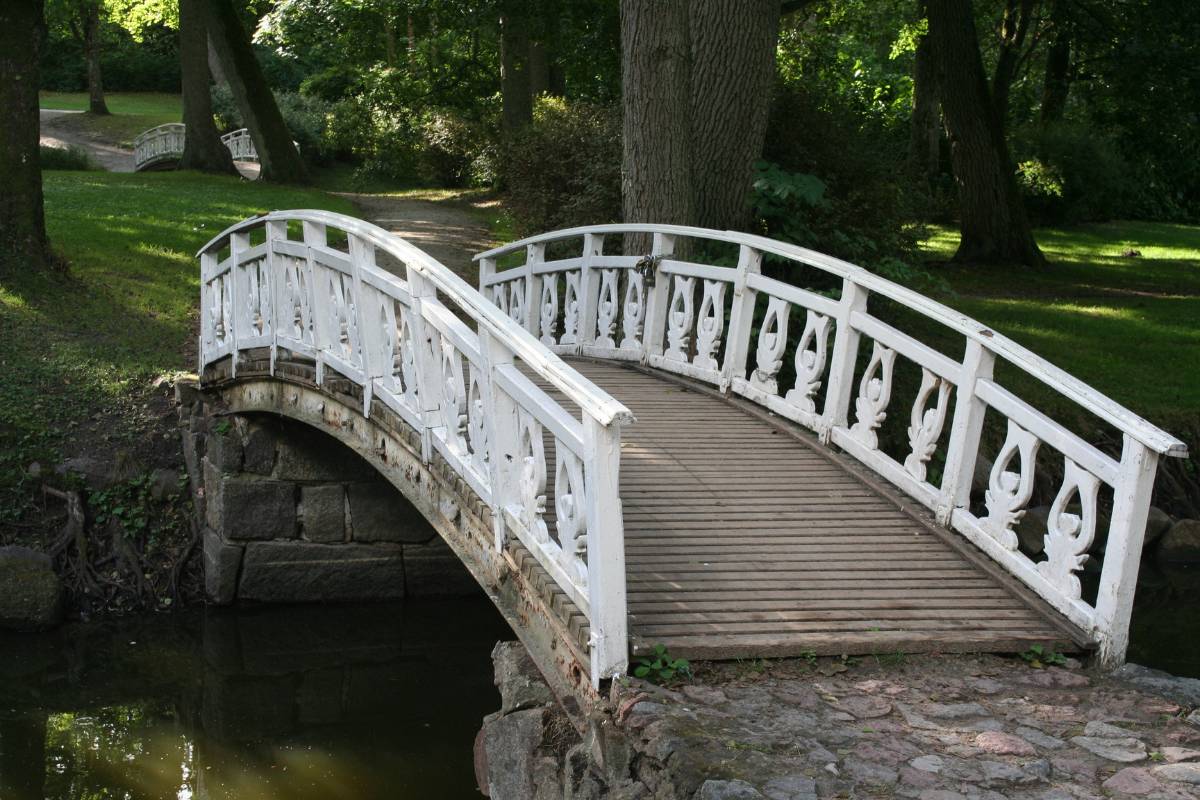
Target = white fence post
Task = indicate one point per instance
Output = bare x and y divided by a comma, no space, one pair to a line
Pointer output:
962,451
658,297
362,253
741,317
845,354
501,425
238,244
427,356
605,550
1123,553
589,289
535,254
276,230
314,237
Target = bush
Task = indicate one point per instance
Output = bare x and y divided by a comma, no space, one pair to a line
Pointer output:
1072,173
565,168
68,158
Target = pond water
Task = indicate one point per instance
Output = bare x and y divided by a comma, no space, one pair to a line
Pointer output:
334,701
1165,628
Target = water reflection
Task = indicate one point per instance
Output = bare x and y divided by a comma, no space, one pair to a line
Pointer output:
1166,619
353,701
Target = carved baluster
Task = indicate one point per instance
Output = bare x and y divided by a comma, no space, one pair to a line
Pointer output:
570,505
811,352
254,310
532,479
453,397
1008,492
477,422
710,325
874,394
772,339
516,301
549,308
405,361
571,310
679,319
606,309
500,296
634,311
1069,535
925,425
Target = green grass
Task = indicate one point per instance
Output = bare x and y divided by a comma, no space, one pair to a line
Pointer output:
1128,326
93,341
132,113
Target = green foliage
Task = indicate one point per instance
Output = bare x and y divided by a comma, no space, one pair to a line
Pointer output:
307,119
565,168
661,667
67,158
1039,657
128,504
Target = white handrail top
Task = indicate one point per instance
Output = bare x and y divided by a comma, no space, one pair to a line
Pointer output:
1056,378
588,396
166,126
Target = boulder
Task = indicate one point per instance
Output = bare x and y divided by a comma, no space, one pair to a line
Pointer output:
727,790
1158,522
1184,691
1181,543
509,745
31,594
1031,530
521,685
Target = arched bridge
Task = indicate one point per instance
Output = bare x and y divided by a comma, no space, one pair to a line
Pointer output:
676,445
162,146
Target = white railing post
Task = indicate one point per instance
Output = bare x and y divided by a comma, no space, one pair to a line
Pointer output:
428,359
605,550
741,317
487,268
658,297
238,244
535,254
962,451
276,230
845,354
500,423
1123,553
314,236
362,253
589,289
208,264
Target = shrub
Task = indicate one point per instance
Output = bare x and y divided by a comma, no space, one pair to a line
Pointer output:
565,168
1072,173
69,158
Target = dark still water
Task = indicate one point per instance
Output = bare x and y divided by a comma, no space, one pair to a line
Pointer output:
1164,631
338,701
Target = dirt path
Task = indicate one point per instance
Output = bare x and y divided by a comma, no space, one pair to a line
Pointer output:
450,233
105,154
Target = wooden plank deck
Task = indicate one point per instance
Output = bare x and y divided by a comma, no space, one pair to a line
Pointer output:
744,538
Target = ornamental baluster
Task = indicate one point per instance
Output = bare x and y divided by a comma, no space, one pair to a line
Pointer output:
811,353
606,309
1008,492
532,478
548,308
1069,535
679,319
772,340
925,425
710,325
477,422
874,394
570,333
634,311
453,397
570,506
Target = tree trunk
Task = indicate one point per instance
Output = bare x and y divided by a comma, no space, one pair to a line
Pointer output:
23,242
91,47
924,144
277,154
539,68
1013,27
1057,84
993,221
515,93
656,167
733,70
202,148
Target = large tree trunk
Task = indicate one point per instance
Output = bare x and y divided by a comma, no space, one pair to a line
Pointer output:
993,221
515,89
276,152
656,167
1013,27
1057,83
202,149
23,242
924,145
733,70
91,47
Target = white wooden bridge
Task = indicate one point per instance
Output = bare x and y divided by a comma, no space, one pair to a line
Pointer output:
655,449
162,146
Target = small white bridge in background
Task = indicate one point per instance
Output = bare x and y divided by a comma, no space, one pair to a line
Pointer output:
162,147
653,448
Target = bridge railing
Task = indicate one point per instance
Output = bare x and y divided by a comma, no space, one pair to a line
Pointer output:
700,320
157,144
444,359
240,145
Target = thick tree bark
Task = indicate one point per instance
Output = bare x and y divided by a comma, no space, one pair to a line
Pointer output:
993,221
539,68
924,145
23,242
733,70
1014,26
515,88
91,47
656,167
202,146
280,160
1056,86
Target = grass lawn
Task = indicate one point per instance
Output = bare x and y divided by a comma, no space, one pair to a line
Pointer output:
90,344
1129,326
132,113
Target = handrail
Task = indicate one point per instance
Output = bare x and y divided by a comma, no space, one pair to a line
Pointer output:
453,377
673,316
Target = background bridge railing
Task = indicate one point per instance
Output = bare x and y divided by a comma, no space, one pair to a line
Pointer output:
240,145
444,359
734,327
162,143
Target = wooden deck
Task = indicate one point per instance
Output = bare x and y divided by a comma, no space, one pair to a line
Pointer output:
745,538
